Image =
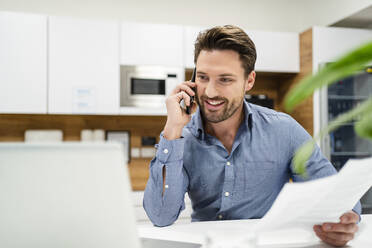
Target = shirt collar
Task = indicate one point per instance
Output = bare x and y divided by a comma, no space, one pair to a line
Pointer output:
196,123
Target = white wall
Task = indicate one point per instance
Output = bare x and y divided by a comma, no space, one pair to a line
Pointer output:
275,15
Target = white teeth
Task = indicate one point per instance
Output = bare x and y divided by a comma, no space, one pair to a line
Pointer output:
215,102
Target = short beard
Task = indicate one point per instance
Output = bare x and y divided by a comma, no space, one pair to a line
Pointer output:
228,110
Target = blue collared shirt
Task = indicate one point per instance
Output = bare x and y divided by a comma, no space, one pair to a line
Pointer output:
239,185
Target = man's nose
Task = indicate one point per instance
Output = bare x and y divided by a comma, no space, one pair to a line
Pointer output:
210,90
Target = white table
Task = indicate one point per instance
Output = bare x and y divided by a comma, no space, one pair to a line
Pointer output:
193,235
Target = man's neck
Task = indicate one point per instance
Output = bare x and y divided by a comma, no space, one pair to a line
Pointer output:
226,130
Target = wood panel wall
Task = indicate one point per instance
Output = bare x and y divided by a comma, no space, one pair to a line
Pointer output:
274,85
13,126
303,113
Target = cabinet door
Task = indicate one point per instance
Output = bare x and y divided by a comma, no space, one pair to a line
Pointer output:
151,44
23,63
276,51
83,66
190,35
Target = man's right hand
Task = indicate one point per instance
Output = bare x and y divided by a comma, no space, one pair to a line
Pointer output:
177,118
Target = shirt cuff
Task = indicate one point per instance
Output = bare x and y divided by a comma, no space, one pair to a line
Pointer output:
170,150
360,217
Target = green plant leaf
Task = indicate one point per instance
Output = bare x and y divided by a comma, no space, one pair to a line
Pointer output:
347,65
364,127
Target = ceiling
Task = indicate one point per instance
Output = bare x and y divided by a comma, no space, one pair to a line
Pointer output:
361,19
271,15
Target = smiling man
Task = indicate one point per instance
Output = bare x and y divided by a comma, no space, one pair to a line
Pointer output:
232,157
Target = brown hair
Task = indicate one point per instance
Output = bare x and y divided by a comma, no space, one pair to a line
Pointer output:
228,37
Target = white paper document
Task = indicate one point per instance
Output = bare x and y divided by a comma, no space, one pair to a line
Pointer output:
304,204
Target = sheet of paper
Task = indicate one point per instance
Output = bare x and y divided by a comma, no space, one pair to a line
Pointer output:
304,204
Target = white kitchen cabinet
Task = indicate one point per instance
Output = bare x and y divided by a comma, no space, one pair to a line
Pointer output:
83,66
276,51
23,63
151,44
153,111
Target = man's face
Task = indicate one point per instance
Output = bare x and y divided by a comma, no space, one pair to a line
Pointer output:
221,84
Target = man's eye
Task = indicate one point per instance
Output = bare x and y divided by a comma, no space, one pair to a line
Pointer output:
201,77
225,80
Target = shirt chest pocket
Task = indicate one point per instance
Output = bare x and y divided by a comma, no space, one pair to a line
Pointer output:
257,175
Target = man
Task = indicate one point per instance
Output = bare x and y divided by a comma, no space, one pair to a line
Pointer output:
232,157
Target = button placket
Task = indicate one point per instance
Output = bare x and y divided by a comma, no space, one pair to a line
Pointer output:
228,184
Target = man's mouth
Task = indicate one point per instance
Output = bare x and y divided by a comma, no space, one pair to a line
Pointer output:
214,104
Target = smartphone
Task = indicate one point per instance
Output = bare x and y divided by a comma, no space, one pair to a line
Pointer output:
192,98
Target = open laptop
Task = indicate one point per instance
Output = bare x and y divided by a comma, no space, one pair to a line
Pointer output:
65,195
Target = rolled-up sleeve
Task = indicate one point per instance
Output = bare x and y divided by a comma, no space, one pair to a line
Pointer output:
164,208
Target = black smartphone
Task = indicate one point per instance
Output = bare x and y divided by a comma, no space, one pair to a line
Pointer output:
192,98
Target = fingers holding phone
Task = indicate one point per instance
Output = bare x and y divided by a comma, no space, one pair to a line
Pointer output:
187,87
177,115
182,93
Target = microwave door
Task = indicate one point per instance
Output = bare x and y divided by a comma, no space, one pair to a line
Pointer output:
144,86
145,91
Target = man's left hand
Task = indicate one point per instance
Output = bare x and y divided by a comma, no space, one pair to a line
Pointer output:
338,234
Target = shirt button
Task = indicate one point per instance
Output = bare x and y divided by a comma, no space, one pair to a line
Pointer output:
165,151
227,194
220,216
166,186
228,163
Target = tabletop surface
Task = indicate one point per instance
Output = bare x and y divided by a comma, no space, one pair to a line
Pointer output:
194,234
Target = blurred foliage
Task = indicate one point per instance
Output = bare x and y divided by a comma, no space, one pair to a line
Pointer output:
351,63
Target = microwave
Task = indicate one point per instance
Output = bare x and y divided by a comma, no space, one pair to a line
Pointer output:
148,86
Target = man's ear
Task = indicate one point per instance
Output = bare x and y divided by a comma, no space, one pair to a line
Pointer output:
250,81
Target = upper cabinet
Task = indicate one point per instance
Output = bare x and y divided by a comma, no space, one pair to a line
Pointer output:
276,51
62,65
83,66
23,63
151,44
329,43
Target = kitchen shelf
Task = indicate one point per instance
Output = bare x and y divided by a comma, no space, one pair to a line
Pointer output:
337,97
350,153
148,111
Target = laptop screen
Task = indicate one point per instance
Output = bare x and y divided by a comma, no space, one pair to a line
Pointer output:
65,195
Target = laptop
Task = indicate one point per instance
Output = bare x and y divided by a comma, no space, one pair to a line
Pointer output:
65,195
